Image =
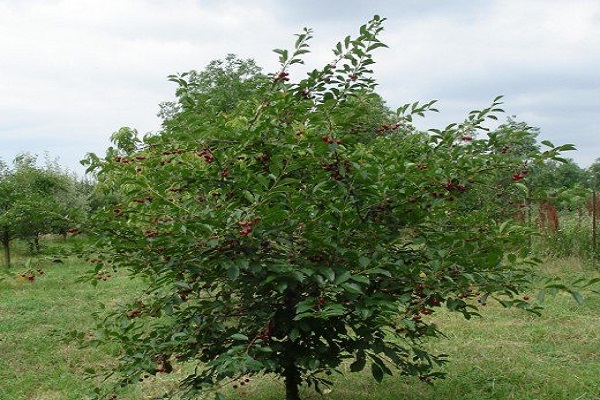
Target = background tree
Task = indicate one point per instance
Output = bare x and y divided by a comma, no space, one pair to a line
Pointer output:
290,232
221,86
594,174
562,183
35,201
560,175
518,138
515,142
6,201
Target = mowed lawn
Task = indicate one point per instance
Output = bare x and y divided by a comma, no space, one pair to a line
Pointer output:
508,354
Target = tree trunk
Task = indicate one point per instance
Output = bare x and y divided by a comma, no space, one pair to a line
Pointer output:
6,248
291,373
292,382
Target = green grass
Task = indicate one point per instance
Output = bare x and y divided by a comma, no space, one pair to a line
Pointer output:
35,363
508,354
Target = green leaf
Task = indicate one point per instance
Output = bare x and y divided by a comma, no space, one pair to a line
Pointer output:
376,46
299,276
249,196
306,305
282,53
380,271
359,364
239,336
294,334
233,272
566,147
360,279
352,288
364,261
253,365
342,278
547,143
377,372
329,274
281,286
264,182
523,188
332,310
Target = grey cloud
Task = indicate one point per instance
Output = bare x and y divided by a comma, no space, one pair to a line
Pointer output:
71,73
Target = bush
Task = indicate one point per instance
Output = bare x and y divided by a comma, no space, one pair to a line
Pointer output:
302,229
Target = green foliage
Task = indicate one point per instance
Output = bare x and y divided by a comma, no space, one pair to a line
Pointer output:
300,229
594,172
562,182
35,201
222,86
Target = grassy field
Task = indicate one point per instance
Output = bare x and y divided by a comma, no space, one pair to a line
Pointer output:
508,354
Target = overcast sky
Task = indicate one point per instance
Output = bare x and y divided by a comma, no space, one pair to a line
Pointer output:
72,72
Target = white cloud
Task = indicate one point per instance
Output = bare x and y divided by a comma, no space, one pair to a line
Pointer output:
78,70
543,56
74,71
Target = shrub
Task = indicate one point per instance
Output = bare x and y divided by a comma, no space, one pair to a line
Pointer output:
303,229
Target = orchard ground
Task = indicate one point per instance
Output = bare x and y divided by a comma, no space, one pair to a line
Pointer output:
507,354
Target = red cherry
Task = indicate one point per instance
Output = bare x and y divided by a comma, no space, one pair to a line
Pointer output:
517,177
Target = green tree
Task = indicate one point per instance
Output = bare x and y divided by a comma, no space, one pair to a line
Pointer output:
35,201
518,138
221,86
538,179
294,233
594,175
558,175
6,201
561,182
